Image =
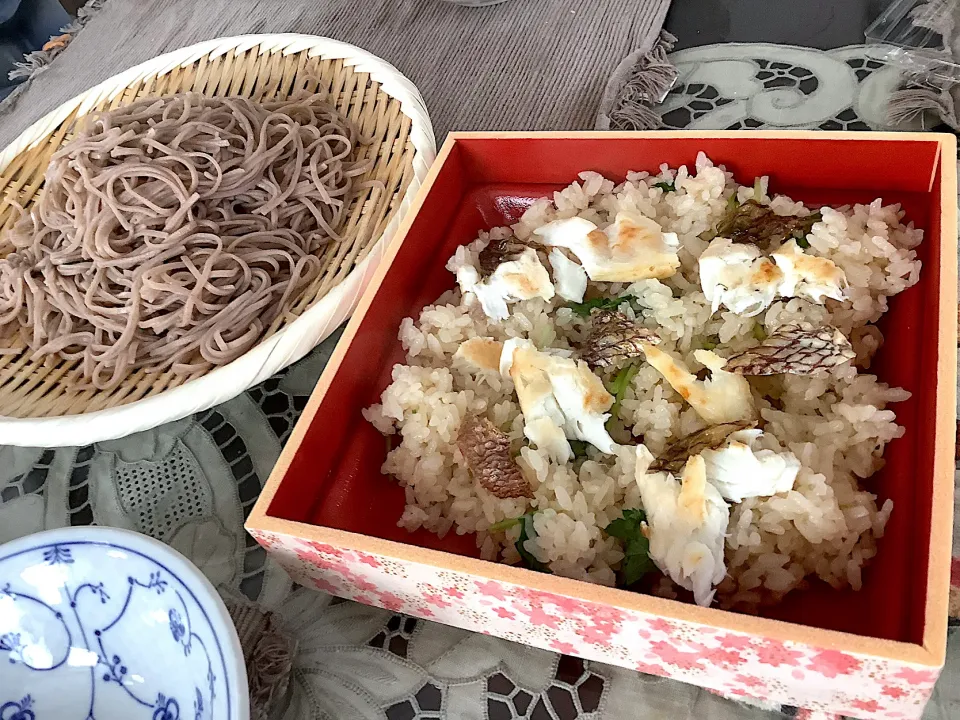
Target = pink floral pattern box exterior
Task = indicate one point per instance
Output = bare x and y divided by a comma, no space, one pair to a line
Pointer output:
733,664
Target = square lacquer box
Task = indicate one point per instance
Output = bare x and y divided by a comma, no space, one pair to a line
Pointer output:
330,517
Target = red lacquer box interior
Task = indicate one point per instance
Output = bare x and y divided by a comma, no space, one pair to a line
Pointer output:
328,486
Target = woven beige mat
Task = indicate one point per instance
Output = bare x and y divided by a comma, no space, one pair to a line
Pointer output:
523,64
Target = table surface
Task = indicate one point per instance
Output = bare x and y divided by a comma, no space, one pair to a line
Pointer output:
192,482
821,24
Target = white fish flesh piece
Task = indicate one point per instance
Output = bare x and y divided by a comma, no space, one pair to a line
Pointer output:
560,398
738,469
631,248
808,276
481,353
722,398
735,276
569,278
512,281
687,523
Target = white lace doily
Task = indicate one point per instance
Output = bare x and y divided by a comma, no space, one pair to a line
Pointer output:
749,86
191,483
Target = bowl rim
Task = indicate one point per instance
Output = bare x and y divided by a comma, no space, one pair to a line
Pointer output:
291,342
180,568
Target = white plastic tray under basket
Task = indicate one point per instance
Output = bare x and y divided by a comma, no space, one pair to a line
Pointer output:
44,402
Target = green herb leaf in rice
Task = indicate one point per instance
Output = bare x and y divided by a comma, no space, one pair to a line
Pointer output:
618,386
711,342
636,547
528,532
601,303
505,525
579,448
755,223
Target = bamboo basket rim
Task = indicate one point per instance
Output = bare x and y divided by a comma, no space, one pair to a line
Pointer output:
296,338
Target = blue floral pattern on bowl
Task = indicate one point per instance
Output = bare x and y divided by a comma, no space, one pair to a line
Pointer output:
104,624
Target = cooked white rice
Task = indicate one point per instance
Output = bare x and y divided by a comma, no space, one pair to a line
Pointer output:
837,425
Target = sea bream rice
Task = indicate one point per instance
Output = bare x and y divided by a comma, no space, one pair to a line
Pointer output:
835,423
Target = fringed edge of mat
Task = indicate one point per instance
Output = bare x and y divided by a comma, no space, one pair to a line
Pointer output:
640,81
37,61
911,102
268,653
920,100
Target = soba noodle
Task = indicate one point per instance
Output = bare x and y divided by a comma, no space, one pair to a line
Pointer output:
172,232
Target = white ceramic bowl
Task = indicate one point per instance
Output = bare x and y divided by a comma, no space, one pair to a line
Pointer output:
107,624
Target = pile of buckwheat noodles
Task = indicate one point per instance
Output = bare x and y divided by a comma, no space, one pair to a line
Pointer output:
172,232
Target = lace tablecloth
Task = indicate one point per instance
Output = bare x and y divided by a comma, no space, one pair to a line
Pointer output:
191,483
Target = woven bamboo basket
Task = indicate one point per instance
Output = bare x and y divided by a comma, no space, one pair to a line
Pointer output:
43,402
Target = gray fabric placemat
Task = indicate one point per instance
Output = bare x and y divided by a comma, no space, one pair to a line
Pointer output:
524,64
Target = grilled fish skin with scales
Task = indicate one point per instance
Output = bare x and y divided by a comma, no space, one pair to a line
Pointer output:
613,338
487,452
796,350
675,455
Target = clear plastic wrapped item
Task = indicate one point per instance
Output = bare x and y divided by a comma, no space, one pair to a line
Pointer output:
921,36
